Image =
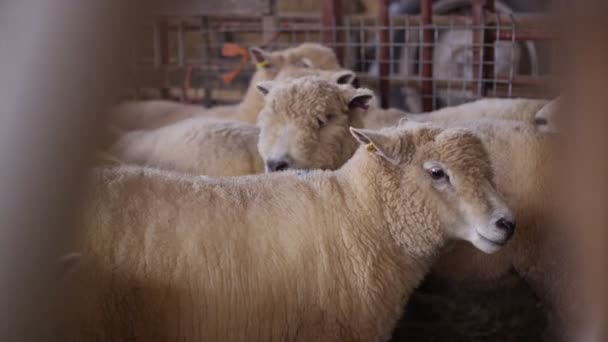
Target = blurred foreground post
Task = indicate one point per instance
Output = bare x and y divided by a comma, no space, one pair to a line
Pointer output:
584,148
57,73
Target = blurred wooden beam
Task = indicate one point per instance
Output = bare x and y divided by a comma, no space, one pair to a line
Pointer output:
59,69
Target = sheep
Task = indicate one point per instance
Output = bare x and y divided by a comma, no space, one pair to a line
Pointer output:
521,159
321,256
519,153
506,109
154,114
377,118
304,123
199,146
213,147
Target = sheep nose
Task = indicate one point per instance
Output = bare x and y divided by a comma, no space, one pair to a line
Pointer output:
506,225
276,165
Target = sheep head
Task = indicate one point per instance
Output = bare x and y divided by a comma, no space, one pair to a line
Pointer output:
452,179
307,55
304,123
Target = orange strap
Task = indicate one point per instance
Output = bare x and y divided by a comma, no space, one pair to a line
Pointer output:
233,50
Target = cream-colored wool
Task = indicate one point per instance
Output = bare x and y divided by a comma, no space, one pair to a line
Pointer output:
140,115
522,160
208,146
506,109
304,122
199,146
379,118
324,256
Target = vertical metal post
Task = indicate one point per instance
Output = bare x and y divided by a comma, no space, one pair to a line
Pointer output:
163,39
489,42
384,54
426,62
333,31
477,45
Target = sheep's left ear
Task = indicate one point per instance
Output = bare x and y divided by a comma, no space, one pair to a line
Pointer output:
378,143
545,119
265,87
360,99
261,58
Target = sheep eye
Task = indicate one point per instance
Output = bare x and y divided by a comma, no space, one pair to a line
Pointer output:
437,173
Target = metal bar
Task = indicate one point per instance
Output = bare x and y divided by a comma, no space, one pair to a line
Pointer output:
488,51
181,55
339,30
520,35
426,12
384,53
163,25
535,21
327,20
333,31
477,42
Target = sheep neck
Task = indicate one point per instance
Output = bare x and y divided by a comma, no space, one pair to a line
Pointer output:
253,101
395,254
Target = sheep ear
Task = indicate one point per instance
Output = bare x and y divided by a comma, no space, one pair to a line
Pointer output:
264,87
545,118
378,143
361,99
260,57
347,77
305,63
404,120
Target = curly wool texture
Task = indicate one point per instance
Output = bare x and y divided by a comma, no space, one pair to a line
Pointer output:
207,146
506,109
141,115
307,119
521,158
199,146
328,256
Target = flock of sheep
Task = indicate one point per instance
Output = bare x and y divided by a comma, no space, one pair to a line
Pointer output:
368,203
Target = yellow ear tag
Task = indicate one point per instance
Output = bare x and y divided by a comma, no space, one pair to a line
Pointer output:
261,65
370,147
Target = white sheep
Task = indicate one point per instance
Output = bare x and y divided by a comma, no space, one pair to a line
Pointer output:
304,123
377,118
199,146
154,114
322,256
507,109
215,147
522,160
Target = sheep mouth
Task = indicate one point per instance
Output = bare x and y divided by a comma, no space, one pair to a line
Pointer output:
492,242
